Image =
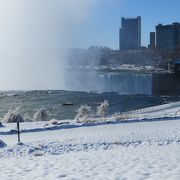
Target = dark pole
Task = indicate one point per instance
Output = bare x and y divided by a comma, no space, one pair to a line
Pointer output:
18,132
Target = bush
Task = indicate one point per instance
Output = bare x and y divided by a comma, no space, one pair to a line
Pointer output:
13,117
83,112
53,122
102,109
40,115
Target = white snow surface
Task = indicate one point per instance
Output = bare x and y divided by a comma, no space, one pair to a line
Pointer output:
132,150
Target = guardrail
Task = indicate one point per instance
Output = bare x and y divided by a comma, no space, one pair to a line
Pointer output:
154,108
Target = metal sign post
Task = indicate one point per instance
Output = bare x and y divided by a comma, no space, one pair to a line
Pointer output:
18,132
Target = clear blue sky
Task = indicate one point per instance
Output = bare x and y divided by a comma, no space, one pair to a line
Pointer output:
102,26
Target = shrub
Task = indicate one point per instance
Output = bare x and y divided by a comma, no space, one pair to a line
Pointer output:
13,116
83,112
102,109
53,122
40,115
178,113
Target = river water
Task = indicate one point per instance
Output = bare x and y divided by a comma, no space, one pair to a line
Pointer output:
124,91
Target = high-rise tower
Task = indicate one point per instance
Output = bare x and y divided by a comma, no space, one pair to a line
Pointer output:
130,33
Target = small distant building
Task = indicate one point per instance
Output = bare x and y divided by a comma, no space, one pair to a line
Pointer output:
168,36
152,43
130,33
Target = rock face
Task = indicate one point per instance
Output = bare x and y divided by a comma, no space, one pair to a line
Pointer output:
166,84
2,144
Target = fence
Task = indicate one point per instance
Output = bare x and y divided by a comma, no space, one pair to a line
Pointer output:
154,108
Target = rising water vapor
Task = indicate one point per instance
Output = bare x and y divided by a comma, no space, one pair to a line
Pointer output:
34,38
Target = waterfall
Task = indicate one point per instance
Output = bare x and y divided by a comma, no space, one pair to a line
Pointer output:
121,82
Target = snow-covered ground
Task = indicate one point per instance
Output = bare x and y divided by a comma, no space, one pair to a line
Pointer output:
136,150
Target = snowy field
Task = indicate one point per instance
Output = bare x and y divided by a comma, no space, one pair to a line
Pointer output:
133,150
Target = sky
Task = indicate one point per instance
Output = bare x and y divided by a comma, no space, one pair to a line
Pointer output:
102,26
35,34
45,23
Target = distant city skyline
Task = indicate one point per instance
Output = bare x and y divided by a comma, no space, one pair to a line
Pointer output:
102,26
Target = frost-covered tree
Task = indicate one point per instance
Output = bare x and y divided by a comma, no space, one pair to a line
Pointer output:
102,109
13,116
177,113
40,115
83,111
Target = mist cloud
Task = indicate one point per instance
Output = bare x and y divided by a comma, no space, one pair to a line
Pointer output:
34,38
